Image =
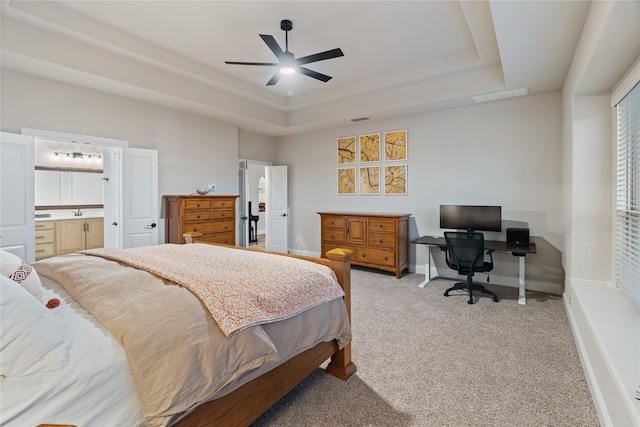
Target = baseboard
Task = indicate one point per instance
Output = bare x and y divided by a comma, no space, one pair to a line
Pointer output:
604,321
509,281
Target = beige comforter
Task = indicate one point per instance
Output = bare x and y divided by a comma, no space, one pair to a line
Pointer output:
239,288
177,354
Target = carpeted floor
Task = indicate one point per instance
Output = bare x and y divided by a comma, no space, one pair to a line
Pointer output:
428,360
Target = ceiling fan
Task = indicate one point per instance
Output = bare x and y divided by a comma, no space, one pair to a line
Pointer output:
287,61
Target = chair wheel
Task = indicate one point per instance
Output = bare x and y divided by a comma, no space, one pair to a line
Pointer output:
495,299
470,301
446,294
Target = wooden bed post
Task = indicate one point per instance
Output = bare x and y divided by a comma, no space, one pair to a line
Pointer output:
341,365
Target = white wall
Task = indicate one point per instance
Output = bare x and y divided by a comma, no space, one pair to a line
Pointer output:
504,153
192,150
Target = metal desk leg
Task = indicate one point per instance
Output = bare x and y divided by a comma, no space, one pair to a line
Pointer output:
427,269
522,297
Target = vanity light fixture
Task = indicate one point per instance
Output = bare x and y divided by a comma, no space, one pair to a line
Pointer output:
76,155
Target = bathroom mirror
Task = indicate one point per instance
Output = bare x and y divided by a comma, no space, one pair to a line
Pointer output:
61,189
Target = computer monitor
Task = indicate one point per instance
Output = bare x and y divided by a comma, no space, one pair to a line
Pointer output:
471,218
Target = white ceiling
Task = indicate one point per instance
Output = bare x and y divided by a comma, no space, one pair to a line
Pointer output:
401,57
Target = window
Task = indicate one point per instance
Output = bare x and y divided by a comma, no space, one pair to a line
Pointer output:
628,193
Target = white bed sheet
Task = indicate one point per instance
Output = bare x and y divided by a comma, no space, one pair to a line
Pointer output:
95,389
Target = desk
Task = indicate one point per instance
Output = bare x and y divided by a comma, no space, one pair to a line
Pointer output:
495,245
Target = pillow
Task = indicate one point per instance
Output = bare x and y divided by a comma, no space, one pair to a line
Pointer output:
20,272
30,340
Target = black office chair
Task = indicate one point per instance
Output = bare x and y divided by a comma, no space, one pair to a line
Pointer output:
253,226
465,254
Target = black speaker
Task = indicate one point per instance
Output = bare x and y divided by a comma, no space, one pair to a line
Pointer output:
517,236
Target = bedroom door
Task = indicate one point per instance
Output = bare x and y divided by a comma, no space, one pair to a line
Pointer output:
277,209
140,198
243,205
17,223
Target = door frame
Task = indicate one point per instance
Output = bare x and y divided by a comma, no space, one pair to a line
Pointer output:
118,144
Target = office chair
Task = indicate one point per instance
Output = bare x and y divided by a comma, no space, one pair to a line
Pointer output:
253,226
465,254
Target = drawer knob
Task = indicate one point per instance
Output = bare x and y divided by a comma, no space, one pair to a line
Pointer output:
381,226
380,241
332,222
386,258
198,216
223,215
364,255
195,228
226,241
224,204
226,226
198,204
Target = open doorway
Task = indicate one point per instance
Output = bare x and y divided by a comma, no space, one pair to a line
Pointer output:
256,199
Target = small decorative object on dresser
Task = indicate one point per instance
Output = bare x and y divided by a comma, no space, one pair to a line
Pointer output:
379,240
213,216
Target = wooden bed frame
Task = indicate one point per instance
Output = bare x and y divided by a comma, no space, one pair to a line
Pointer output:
245,404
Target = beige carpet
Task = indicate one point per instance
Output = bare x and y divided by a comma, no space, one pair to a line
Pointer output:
428,360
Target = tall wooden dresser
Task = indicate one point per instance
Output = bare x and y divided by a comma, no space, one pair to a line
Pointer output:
213,216
380,241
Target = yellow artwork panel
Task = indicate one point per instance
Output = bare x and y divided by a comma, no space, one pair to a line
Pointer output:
395,145
370,148
395,179
347,181
347,150
370,180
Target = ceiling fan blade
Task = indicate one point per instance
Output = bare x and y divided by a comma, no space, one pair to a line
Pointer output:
274,79
271,64
273,45
333,53
314,74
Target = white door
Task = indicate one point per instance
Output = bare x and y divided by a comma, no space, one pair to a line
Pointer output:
243,205
140,197
17,202
112,190
277,212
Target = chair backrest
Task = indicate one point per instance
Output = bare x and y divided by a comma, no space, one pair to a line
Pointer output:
466,249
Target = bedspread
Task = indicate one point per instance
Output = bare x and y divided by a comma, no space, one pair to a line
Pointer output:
177,354
239,288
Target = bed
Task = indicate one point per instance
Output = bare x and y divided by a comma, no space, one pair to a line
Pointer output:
129,345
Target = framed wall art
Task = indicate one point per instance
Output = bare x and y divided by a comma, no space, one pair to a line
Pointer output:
347,181
370,148
370,180
395,179
346,150
395,145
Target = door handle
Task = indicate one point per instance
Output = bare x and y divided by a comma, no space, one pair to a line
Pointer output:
152,225
114,223
244,218
283,215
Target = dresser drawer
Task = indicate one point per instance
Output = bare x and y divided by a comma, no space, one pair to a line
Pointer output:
44,250
224,238
382,240
211,227
44,236
44,225
333,221
197,204
221,204
333,235
387,225
194,215
222,213
376,256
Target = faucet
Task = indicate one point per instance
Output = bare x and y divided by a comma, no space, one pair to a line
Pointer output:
77,212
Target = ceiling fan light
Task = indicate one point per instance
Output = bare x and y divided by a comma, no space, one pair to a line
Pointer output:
287,70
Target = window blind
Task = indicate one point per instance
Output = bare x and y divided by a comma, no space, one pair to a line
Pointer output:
628,193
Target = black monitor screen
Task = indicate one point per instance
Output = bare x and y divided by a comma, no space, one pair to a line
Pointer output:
483,218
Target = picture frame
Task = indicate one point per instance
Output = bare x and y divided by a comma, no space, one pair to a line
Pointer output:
395,146
346,178
369,180
369,148
395,180
346,150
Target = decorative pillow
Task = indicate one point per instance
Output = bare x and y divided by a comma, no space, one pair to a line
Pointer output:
30,341
20,272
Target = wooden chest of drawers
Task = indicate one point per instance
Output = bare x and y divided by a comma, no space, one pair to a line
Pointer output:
213,216
380,241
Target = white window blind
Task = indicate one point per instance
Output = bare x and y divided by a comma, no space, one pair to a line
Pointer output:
628,193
